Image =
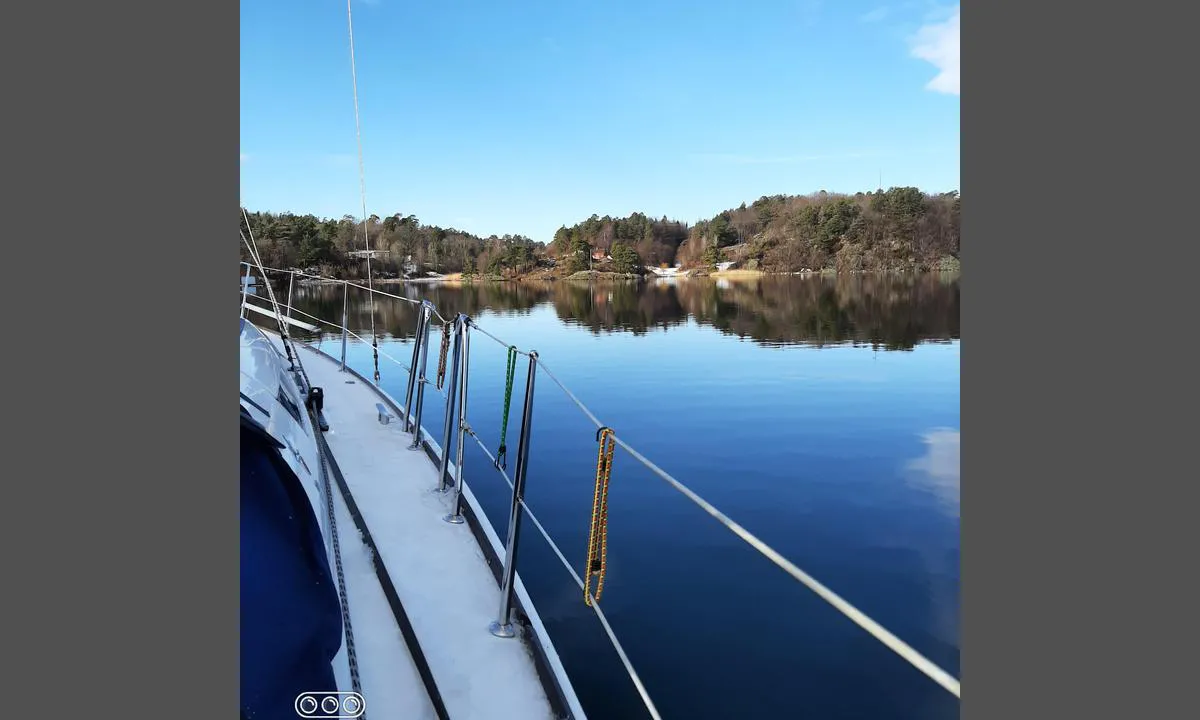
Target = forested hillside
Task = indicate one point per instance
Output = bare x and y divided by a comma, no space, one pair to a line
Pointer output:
287,240
899,229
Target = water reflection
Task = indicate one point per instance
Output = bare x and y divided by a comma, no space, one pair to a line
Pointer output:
938,470
938,473
886,312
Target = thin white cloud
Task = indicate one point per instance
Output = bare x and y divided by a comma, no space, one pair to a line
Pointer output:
875,15
244,157
938,44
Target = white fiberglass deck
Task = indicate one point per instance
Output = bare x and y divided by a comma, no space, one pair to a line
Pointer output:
444,583
390,681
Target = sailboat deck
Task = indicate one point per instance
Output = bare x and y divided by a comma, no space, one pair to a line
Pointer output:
447,589
391,685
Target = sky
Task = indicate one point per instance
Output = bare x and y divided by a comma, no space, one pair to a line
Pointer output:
498,118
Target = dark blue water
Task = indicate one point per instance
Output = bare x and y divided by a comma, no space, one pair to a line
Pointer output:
821,414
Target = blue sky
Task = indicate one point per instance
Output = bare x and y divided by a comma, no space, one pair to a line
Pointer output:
519,117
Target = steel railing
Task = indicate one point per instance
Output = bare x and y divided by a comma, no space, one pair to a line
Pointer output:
457,425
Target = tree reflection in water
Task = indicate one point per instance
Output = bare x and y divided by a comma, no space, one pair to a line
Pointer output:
889,312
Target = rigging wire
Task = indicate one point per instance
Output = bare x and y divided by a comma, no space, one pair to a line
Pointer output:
362,186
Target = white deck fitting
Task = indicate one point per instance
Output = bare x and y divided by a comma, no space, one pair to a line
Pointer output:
440,574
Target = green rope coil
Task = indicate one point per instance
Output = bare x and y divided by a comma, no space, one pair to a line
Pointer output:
502,453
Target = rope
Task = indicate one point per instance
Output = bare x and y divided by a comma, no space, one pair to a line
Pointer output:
612,636
502,453
441,373
597,555
880,633
362,185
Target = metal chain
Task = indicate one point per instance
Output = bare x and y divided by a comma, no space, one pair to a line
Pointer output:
502,453
597,556
351,655
441,373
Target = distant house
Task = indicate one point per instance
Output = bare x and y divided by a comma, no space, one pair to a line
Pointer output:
600,255
373,254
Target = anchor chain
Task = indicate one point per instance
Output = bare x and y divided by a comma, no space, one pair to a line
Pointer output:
351,654
502,453
597,555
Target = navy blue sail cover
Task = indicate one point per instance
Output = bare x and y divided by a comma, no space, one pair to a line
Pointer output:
290,614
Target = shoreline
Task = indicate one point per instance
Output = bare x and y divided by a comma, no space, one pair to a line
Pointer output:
693,274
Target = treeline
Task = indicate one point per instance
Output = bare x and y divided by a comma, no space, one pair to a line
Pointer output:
286,240
897,229
634,240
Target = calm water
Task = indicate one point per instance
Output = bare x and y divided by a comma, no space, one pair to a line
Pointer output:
821,414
